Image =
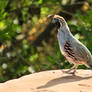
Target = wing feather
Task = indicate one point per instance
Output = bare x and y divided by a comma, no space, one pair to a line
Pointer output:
81,52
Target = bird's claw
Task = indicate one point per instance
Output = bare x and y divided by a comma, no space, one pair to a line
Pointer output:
68,72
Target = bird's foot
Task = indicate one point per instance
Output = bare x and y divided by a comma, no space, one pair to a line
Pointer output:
70,72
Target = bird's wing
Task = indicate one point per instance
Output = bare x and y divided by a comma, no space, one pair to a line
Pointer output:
81,52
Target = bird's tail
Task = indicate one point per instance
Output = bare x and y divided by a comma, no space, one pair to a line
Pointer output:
90,64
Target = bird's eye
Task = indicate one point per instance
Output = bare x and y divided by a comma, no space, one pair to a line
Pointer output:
58,24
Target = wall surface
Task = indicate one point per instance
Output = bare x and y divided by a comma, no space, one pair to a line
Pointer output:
50,81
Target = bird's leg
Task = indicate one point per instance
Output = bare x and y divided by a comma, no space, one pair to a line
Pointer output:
74,71
73,68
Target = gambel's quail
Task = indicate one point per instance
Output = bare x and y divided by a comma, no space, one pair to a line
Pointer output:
71,48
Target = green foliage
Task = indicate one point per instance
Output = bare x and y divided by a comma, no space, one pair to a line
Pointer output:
3,4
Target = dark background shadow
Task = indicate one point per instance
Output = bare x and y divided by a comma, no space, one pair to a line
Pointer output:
64,79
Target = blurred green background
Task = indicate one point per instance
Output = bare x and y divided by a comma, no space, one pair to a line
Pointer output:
28,41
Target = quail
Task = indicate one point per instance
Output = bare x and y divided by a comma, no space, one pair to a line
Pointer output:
71,48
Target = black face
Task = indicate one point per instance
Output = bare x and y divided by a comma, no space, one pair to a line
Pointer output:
56,22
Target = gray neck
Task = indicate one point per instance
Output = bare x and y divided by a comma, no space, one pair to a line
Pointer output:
64,35
65,30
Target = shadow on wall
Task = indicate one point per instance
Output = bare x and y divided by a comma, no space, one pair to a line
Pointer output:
64,79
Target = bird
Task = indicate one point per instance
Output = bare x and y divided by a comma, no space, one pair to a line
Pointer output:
71,48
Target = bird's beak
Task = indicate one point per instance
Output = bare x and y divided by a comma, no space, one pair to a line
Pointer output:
50,16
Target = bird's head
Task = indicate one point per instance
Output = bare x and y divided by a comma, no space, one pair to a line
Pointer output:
58,20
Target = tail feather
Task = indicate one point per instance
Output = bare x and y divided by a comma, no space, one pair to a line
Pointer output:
90,64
